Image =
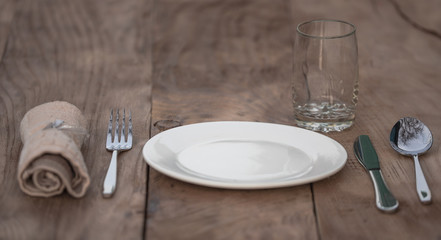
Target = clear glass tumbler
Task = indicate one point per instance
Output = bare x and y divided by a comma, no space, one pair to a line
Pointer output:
325,75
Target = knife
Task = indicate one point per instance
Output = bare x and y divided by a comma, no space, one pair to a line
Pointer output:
366,155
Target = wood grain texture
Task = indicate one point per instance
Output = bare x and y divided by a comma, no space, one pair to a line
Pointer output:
176,62
7,10
399,76
220,61
422,15
223,60
96,55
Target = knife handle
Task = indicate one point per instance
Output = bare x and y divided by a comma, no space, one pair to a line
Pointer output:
384,198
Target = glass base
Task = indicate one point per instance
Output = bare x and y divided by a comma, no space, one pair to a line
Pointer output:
324,116
325,126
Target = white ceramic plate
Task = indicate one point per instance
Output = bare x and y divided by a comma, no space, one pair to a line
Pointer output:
244,155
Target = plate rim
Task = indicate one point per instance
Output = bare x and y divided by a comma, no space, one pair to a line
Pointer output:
194,179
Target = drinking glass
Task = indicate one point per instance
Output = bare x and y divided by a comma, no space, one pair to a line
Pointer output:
325,75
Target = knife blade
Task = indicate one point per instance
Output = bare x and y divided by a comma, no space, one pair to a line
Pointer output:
368,158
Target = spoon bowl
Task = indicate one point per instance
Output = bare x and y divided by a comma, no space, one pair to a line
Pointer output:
409,136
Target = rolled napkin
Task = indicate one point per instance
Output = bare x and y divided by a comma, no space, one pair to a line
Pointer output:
51,159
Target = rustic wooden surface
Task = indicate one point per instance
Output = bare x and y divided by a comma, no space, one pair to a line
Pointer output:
96,56
223,60
176,62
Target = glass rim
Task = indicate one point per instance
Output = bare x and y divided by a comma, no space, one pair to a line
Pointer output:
353,30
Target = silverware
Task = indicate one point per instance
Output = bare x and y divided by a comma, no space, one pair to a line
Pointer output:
366,155
409,136
119,143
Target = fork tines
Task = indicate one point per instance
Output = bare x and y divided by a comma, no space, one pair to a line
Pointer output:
119,139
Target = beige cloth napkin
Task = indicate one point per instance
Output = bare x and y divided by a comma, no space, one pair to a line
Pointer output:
51,159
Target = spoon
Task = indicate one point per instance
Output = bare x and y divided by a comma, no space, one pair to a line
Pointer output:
409,136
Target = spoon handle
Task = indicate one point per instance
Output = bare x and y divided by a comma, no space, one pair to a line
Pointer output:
384,198
421,184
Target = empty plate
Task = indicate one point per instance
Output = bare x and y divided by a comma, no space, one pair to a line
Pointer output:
244,155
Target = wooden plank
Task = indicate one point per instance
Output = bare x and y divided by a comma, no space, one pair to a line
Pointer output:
421,16
399,77
7,10
95,55
223,60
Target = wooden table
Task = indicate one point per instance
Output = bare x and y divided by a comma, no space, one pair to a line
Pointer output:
176,62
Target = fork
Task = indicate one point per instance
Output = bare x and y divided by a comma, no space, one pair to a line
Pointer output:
119,143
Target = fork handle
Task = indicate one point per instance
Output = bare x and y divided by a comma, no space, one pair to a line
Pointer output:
110,180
